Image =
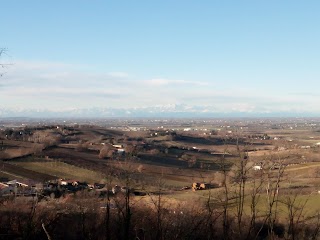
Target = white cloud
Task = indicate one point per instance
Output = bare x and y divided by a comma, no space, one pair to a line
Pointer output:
118,74
157,82
55,91
164,82
64,86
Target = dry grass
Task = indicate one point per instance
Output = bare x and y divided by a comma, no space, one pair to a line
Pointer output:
62,170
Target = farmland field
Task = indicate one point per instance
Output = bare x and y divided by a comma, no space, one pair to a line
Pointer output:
60,170
161,163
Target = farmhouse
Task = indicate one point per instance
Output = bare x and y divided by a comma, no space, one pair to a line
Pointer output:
305,147
257,167
117,145
201,186
13,187
16,184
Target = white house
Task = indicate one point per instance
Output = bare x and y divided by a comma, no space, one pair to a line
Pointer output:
117,145
257,167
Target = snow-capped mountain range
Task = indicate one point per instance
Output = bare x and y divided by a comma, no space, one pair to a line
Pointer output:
171,110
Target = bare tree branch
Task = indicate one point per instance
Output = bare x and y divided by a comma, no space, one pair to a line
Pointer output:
3,52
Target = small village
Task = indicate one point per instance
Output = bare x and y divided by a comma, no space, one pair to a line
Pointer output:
61,187
58,188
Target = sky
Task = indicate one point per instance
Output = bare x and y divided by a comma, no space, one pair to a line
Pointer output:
217,56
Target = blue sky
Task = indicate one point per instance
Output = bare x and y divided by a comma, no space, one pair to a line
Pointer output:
225,56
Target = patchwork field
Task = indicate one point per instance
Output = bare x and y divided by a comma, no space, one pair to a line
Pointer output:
215,168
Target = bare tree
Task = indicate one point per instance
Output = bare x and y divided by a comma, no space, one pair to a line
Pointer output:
157,201
295,210
255,194
241,181
3,65
225,199
274,176
123,200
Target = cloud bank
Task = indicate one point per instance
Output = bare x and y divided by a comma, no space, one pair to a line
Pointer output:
46,85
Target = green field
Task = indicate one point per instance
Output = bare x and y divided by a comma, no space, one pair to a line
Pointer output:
61,170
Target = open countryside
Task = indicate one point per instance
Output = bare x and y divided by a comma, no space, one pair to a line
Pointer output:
252,169
160,120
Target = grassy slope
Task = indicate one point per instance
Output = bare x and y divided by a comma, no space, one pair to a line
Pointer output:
62,170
